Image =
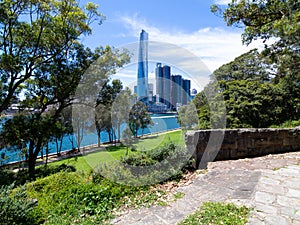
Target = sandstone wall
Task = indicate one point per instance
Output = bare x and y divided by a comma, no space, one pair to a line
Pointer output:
210,145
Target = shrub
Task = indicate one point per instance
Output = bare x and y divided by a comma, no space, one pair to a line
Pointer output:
157,165
218,213
15,207
72,198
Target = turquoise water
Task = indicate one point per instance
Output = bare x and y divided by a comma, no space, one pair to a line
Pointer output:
161,122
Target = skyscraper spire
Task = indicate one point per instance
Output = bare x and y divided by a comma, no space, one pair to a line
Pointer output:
142,76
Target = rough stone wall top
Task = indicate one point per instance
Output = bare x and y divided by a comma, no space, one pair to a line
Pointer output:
210,145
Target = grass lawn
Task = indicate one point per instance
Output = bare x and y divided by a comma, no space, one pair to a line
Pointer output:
154,141
218,213
114,153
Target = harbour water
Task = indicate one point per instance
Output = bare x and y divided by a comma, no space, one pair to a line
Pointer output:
161,122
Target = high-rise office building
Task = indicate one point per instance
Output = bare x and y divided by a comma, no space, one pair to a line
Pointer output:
171,90
163,83
176,90
159,82
166,85
186,93
142,76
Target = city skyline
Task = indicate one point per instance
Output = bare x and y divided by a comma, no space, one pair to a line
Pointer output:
168,92
197,29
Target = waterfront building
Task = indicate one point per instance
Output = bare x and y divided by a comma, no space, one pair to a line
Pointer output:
150,92
166,85
163,84
176,91
159,83
186,93
171,90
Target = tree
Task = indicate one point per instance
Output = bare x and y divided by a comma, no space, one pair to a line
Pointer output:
275,20
120,110
63,128
26,130
53,88
127,138
248,66
187,116
102,120
81,124
252,99
103,114
139,118
35,34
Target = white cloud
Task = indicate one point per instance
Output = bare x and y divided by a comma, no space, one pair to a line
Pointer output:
214,46
222,2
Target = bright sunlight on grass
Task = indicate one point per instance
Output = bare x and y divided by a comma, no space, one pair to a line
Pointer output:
108,154
218,213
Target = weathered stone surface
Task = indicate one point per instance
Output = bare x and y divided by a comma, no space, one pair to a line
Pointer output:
243,182
210,145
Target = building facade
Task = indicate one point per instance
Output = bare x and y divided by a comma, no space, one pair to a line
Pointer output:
142,75
171,90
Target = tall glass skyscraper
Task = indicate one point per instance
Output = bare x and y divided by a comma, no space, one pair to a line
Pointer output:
159,82
142,76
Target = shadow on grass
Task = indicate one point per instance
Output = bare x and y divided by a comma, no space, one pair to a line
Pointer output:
115,148
20,177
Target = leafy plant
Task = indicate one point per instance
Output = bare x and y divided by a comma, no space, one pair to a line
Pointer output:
15,206
73,198
218,213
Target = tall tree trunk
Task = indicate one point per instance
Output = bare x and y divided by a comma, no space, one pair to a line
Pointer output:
33,153
60,144
47,153
99,137
57,147
119,133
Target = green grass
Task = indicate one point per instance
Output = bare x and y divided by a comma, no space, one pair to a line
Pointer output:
154,141
217,213
114,153
67,197
75,198
288,124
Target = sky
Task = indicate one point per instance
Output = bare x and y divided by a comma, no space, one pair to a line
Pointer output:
187,24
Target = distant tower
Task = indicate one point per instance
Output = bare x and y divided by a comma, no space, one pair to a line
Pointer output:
159,82
166,85
186,93
142,76
176,90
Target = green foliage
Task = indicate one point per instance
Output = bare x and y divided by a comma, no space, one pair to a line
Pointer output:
167,163
34,34
112,108
139,118
277,67
252,99
218,213
187,116
20,177
72,198
265,20
288,124
15,206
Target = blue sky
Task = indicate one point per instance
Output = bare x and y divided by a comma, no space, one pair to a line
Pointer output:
188,24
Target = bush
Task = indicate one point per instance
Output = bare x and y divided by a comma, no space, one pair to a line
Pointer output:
8,177
288,124
15,207
218,213
72,198
162,153
157,165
